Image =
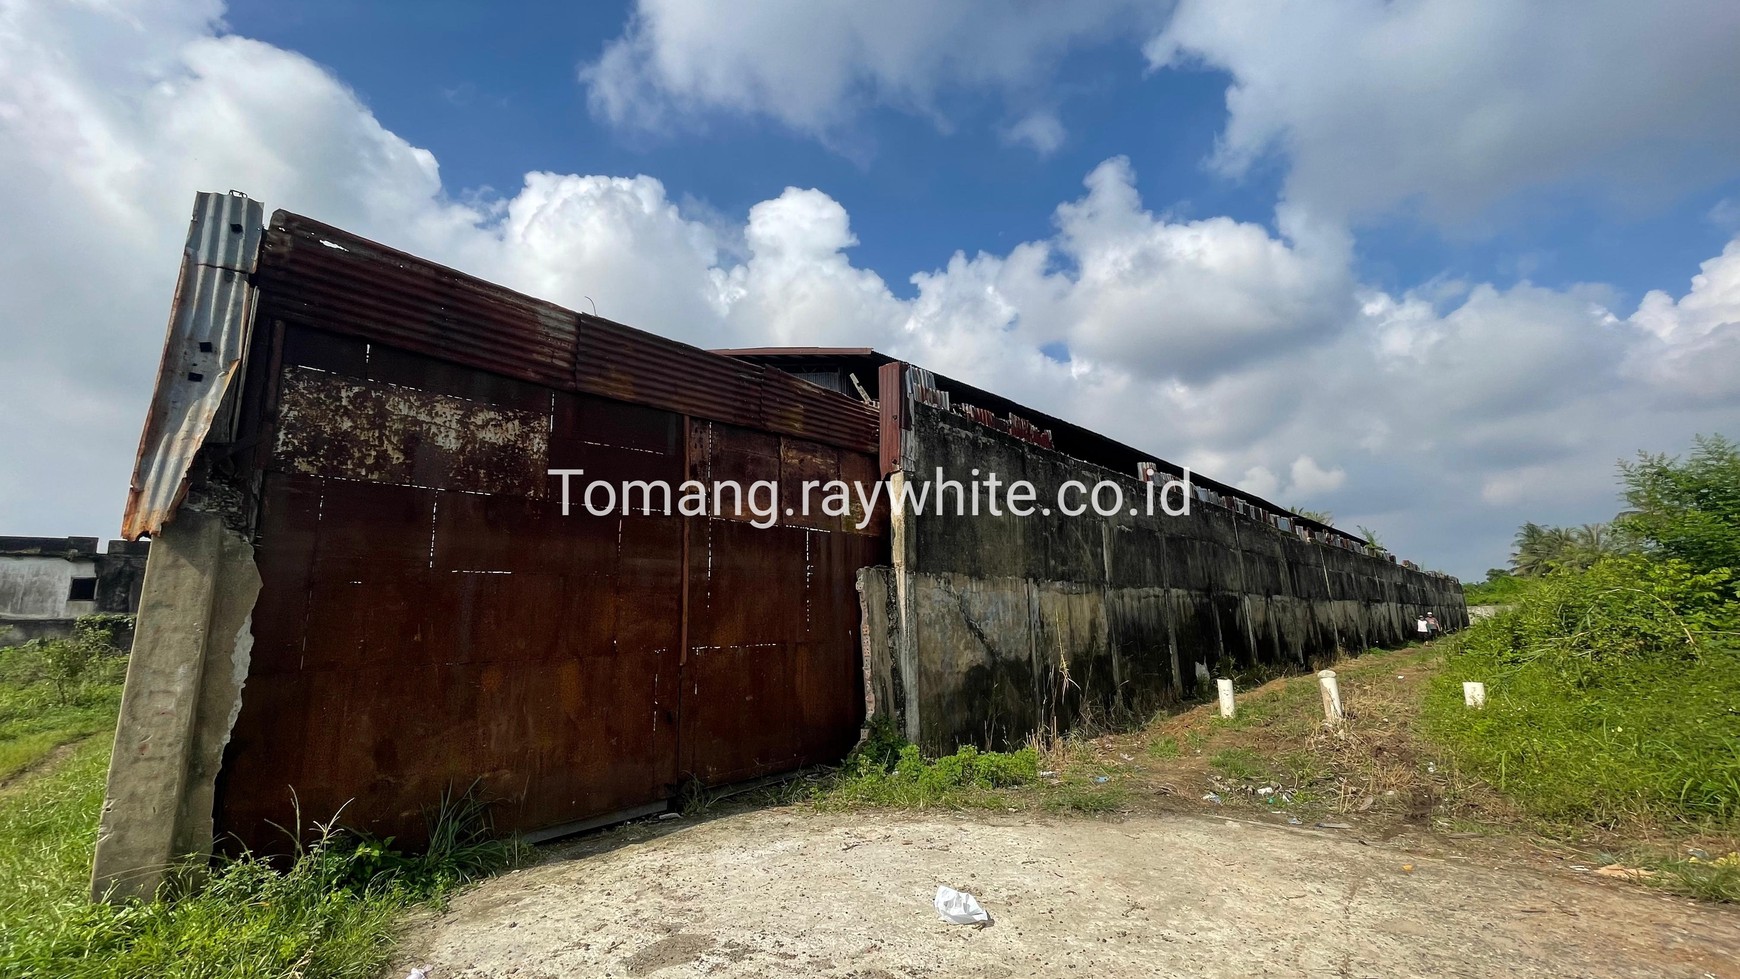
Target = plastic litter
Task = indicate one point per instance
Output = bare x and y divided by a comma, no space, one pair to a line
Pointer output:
669,815
1102,779
1213,797
959,907
418,973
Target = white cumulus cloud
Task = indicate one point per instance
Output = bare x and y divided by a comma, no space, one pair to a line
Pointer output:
1461,104
1441,416
812,65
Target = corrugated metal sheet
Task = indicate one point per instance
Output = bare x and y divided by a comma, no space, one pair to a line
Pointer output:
891,382
208,332
319,276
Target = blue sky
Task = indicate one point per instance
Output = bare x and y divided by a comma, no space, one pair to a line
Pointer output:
1432,265
497,95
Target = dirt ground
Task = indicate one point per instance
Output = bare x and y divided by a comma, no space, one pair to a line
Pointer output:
794,892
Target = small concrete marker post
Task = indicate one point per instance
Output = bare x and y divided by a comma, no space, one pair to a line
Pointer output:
1331,698
1227,707
1474,694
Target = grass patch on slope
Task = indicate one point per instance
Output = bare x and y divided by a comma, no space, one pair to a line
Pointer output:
36,717
1613,697
327,914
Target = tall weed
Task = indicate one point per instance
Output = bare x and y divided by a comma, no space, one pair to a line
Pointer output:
1611,695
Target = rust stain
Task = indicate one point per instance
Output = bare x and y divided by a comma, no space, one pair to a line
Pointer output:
339,426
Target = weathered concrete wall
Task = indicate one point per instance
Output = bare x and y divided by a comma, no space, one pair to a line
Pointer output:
1007,625
35,586
121,576
36,578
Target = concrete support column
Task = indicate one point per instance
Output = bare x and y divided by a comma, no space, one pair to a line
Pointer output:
904,544
184,679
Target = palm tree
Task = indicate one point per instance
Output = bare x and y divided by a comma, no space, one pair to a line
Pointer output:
1596,541
1540,550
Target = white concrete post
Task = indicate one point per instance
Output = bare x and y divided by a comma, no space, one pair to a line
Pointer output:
1226,697
1331,698
1474,694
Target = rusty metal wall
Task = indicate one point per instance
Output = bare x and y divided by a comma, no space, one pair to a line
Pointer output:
428,616
333,280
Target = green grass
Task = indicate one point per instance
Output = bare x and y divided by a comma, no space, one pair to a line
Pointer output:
1083,795
33,718
887,771
1161,749
1711,880
1294,700
1643,738
1502,590
1242,763
329,915
1613,697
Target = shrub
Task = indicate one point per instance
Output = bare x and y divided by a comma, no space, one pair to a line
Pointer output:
66,664
329,912
888,770
1610,695
1623,607
1687,510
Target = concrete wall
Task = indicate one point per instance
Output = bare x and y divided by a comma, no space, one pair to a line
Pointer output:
36,575
121,576
34,582
1000,626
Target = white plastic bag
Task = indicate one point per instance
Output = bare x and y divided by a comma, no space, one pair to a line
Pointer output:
959,907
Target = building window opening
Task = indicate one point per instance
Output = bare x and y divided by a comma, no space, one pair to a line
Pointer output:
82,590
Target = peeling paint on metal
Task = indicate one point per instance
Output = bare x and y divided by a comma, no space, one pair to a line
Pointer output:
385,433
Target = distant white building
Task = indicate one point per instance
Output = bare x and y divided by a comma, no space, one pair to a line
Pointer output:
48,582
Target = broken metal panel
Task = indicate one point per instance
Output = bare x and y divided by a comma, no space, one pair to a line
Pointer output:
202,357
336,426
793,406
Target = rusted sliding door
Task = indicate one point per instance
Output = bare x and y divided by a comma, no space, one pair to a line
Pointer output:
771,679
429,618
